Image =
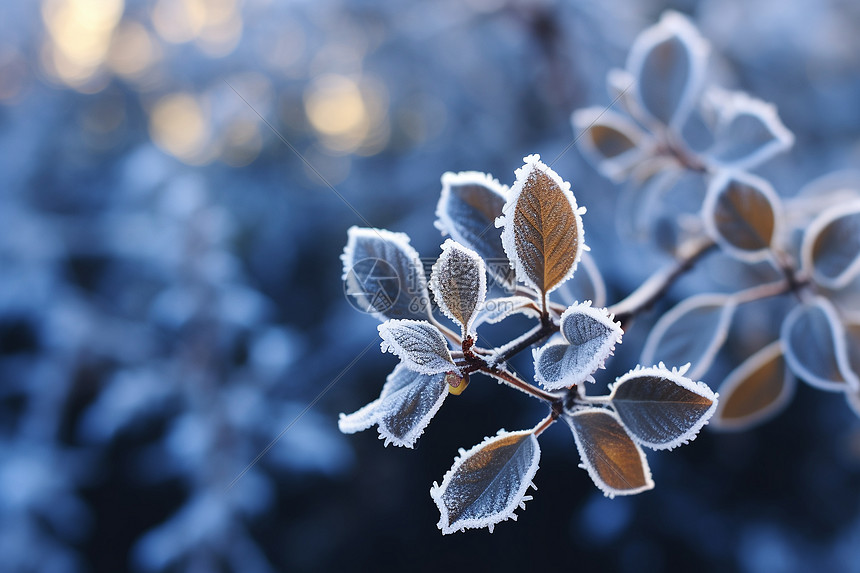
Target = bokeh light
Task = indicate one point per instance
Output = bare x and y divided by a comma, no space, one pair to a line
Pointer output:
178,125
347,114
79,37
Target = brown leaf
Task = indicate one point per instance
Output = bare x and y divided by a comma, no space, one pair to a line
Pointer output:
614,461
740,213
543,234
831,246
755,391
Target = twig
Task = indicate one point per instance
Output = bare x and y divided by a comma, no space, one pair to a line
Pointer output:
659,283
513,381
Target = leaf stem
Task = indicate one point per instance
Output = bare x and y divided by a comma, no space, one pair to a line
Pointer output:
450,334
514,381
768,290
546,422
659,283
784,263
546,328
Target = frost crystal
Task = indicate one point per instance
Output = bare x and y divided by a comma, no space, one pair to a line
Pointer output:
459,283
662,408
420,345
408,402
488,483
590,334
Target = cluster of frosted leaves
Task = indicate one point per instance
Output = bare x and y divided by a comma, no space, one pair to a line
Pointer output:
415,390
669,107
819,339
590,335
653,407
542,238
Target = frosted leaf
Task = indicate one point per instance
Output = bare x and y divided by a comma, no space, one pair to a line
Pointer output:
383,274
831,246
819,195
408,402
612,143
590,336
747,133
543,235
655,210
615,463
420,345
814,343
496,310
697,131
691,333
487,483
668,62
662,408
468,207
755,391
741,213
585,284
459,283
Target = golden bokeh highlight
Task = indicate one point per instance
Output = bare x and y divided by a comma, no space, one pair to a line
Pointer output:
347,114
178,21
179,126
79,37
132,51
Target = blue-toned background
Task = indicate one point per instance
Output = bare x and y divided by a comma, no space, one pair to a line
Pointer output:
171,298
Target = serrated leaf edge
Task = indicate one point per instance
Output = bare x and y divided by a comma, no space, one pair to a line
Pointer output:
598,361
436,286
371,416
437,491
677,376
533,163
388,344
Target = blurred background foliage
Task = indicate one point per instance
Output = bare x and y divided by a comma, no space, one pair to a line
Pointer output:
171,302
